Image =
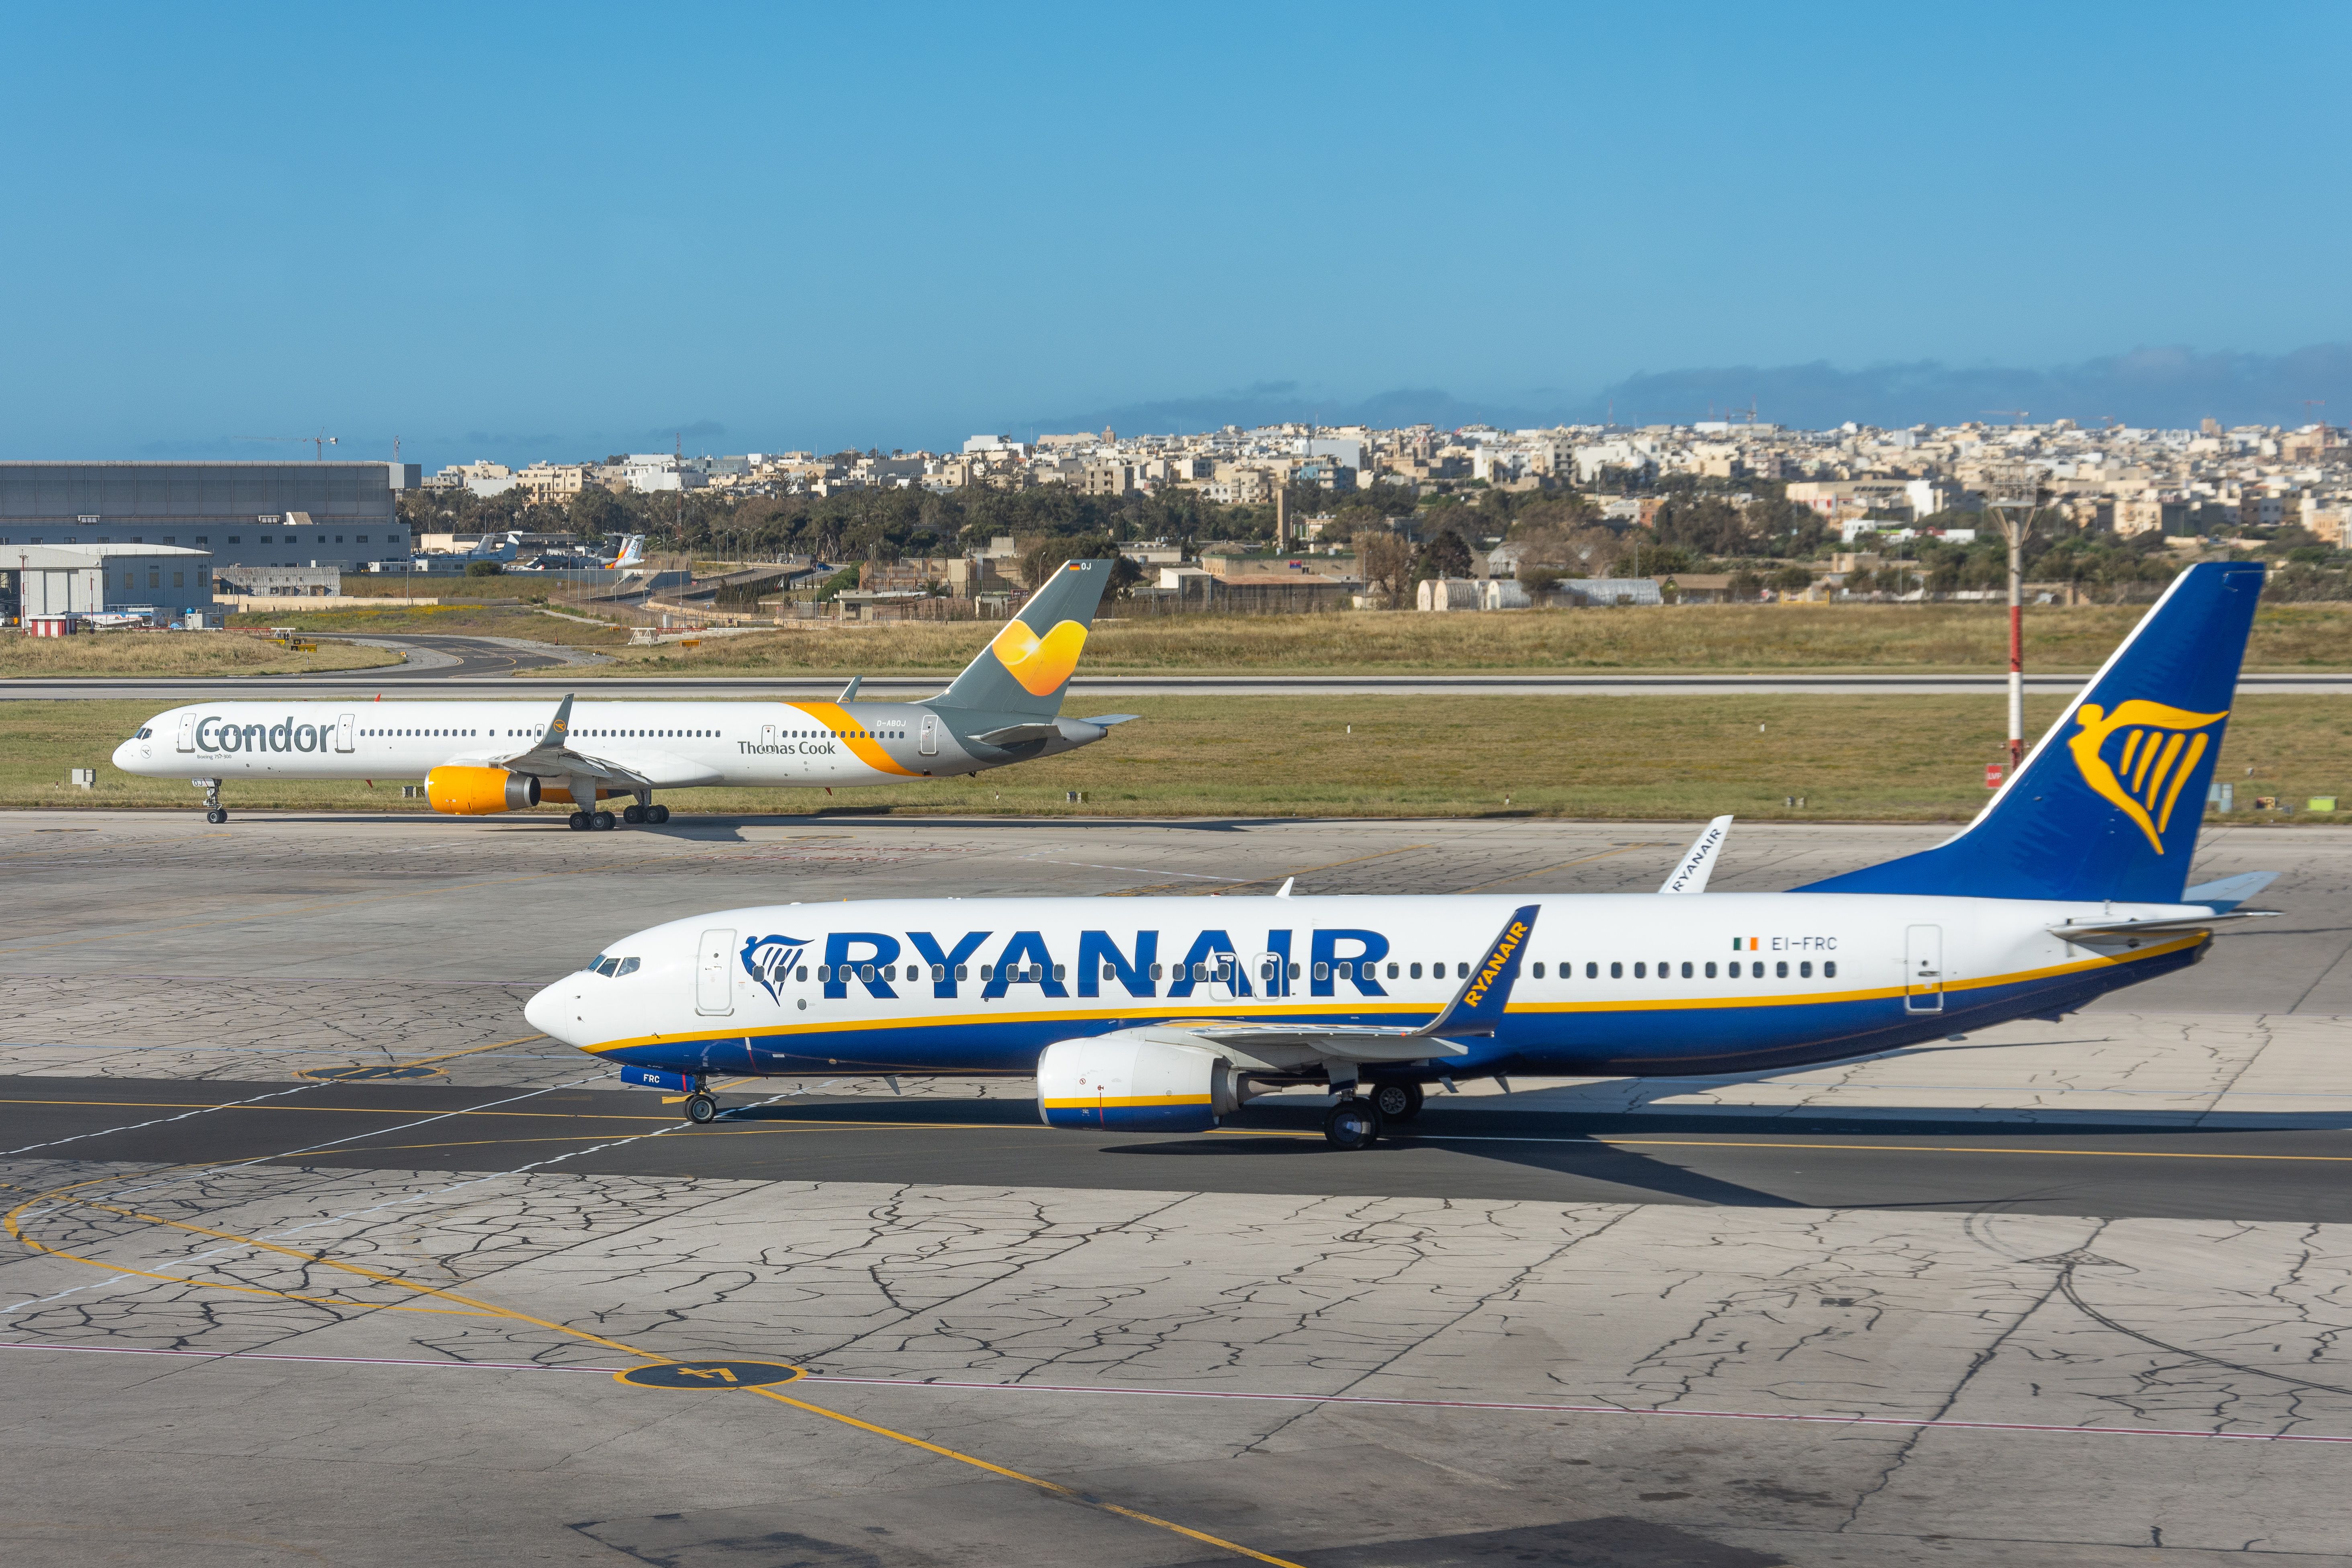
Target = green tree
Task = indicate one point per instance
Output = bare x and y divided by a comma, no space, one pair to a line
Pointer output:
1446,554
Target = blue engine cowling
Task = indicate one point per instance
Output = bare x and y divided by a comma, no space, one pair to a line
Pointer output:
1135,1080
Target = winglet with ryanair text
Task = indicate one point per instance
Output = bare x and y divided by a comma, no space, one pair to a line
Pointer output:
1477,1007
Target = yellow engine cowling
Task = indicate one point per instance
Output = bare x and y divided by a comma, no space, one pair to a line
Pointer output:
480,791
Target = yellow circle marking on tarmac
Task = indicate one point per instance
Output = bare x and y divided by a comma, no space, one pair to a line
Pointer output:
709,1376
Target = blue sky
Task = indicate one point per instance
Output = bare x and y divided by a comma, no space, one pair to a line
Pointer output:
523,231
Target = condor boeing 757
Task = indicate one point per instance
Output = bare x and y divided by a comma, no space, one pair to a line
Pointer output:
1168,1014
478,757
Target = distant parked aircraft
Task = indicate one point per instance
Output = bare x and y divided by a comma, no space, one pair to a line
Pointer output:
478,757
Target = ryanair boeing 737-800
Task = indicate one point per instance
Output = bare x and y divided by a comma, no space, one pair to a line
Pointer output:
1168,1014
478,756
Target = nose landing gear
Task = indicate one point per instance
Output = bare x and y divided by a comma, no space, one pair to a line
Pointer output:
213,812
700,1108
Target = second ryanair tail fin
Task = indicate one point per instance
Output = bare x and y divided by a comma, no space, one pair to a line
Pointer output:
2108,805
1026,667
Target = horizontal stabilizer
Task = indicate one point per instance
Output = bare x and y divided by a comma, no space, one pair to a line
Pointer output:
1017,735
2104,931
1107,720
2229,892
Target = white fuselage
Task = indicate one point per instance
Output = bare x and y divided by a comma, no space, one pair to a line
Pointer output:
673,744
1607,983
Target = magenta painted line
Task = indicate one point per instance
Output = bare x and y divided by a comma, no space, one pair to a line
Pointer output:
323,1359
1600,1410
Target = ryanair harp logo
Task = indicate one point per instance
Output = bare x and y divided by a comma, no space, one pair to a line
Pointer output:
770,960
2140,757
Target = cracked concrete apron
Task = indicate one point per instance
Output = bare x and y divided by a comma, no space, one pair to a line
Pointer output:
271,1358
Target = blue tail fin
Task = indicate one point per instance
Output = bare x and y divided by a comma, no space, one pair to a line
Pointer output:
2108,805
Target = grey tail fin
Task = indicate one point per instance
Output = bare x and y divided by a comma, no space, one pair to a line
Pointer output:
1027,666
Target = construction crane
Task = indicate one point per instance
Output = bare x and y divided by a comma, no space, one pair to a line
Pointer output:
2015,414
319,443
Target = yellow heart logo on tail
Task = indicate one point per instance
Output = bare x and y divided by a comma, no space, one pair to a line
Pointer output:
1040,664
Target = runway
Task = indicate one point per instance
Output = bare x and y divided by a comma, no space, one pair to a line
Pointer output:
1925,1163
295,1208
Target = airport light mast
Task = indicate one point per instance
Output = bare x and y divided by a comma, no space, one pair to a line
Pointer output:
2013,491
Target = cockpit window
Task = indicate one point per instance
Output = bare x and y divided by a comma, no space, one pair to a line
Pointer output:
628,966
143,734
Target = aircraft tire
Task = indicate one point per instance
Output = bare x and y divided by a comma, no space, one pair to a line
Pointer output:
1353,1123
701,1109
1397,1101
601,822
657,815
579,822
217,816
633,815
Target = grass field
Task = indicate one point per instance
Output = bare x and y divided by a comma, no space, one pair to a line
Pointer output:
1713,638
1702,638
174,653
1626,758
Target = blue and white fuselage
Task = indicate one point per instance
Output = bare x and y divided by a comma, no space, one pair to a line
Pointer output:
1605,984
1170,1013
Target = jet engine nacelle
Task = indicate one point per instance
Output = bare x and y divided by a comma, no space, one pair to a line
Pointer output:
480,791
1137,1080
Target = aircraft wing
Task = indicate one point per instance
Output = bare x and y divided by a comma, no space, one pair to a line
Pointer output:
1474,1010
553,757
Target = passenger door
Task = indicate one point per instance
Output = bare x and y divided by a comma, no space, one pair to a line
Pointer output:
1923,970
1271,982
344,724
714,972
187,732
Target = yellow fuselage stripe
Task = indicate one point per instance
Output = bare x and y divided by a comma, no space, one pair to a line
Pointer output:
848,731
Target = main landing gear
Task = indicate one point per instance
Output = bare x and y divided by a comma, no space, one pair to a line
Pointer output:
644,813
1356,1121
1353,1123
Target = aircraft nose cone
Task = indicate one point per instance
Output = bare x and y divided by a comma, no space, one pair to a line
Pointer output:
546,1012
126,754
